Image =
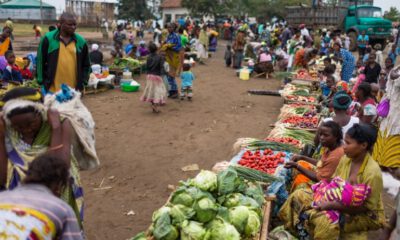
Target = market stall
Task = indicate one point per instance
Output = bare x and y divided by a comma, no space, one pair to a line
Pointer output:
237,199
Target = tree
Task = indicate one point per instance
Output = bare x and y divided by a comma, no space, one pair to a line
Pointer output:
134,9
393,14
200,8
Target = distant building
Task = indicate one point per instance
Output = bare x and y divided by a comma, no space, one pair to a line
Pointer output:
172,10
27,10
90,12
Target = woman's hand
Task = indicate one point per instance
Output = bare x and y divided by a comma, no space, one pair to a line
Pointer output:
295,158
291,165
53,117
324,206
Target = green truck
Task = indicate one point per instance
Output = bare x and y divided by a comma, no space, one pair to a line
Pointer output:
350,17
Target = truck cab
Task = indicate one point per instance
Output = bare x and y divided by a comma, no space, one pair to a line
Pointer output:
369,19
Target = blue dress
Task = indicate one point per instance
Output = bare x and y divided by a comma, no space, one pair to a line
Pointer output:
348,64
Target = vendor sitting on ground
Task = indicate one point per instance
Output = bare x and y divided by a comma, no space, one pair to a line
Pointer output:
96,56
309,170
357,168
341,103
264,64
12,73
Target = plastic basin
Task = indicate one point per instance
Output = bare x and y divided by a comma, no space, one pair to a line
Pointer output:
126,87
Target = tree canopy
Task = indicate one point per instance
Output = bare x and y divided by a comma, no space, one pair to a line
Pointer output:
134,9
393,14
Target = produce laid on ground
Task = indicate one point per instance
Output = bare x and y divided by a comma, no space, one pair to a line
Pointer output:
304,136
306,122
297,109
231,204
123,63
292,89
302,99
285,140
258,144
266,161
227,205
303,74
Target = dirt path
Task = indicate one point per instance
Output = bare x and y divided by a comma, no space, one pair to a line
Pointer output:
142,153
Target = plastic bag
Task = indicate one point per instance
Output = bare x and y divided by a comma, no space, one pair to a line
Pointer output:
383,108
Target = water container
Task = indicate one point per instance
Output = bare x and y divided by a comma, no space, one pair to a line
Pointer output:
244,74
96,69
127,75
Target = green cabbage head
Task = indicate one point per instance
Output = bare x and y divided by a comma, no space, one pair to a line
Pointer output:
192,230
206,181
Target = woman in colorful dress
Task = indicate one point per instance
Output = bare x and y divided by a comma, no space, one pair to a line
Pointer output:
27,130
356,168
348,61
172,47
387,148
309,170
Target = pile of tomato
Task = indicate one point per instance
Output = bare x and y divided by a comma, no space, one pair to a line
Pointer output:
286,140
265,161
307,99
302,122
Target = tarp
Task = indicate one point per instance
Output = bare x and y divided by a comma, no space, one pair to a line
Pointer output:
25,4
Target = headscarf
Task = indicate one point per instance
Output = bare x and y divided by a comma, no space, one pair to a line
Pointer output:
341,100
95,47
342,86
21,103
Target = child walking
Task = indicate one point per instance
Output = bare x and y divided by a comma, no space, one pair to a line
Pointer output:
187,78
155,92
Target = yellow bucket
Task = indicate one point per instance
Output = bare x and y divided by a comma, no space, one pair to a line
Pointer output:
244,74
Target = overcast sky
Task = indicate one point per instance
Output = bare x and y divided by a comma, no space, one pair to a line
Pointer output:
386,4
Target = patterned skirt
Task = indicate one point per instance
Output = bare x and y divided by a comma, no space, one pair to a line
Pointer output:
387,150
155,91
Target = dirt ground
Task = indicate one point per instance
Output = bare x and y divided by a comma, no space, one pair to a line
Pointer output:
142,153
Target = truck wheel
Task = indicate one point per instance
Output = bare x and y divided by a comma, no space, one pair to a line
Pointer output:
353,41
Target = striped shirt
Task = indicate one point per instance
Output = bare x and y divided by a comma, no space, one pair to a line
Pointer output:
31,210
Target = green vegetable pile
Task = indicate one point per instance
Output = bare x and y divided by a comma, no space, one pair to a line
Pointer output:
31,84
122,63
210,207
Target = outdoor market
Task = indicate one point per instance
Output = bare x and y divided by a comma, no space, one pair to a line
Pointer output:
167,122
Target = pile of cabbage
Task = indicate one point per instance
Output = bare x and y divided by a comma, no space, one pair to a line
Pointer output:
210,207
